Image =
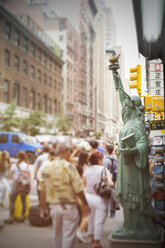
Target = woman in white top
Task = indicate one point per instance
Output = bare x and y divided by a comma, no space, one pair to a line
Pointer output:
5,165
98,205
21,165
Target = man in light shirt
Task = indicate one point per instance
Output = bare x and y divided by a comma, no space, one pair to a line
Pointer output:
60,186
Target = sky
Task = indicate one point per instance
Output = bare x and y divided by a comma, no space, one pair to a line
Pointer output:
126,34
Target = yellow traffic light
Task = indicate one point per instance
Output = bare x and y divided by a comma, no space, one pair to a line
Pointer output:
162,115
148,102
139,80
136,78
158,104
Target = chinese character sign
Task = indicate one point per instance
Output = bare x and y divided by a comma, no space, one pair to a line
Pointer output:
156,78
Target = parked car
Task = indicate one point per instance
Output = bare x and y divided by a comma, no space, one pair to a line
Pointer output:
15,142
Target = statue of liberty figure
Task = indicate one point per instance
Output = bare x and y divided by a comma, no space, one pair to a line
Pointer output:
133,170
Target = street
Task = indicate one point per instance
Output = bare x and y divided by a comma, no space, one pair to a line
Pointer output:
23,235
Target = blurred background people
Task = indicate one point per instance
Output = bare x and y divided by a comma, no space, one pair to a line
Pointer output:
102,147
40,159
94,145
98,205
51,157
16,168
110,162
83,164
5,165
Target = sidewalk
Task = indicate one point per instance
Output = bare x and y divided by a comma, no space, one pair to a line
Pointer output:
23,235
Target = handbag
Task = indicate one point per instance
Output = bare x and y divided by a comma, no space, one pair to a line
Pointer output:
102,188
22,185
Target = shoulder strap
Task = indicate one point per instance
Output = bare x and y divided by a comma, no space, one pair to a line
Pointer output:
17,164
104,172
110,167
112,159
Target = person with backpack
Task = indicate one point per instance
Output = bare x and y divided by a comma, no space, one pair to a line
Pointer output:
20,175
110,162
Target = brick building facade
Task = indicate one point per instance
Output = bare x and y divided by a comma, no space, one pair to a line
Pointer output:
30,70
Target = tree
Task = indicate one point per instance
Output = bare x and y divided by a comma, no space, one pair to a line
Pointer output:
9,119
64,124
98,134
33,123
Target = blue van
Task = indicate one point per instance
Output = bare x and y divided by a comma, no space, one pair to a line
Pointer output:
15,142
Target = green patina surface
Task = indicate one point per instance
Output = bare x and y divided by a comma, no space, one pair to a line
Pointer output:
133,171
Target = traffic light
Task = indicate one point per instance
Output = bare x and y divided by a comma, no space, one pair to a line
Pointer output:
136,78
148,102
157,104
162,115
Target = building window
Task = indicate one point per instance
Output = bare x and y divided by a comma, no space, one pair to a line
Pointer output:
32,100
45,79
59,70
55,84
8,30
16,63
50,82
45,104
17,38
55,107
62,53
25,68
61,38
25,44
50,64
7,58
6,91
24,98
39,77
16,97
61,26
32,73
38,101
33,50
54,67
39,55
50,106
45,60
58,108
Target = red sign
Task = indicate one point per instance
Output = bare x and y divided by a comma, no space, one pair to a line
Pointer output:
157,67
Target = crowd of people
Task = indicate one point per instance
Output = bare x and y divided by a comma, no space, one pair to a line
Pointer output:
65,177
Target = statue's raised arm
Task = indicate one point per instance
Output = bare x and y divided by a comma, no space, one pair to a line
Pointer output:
117,80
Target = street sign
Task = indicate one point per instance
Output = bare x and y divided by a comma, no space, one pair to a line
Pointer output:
156,78
157,125
156,75
157,92
156,84
154,66
157,67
